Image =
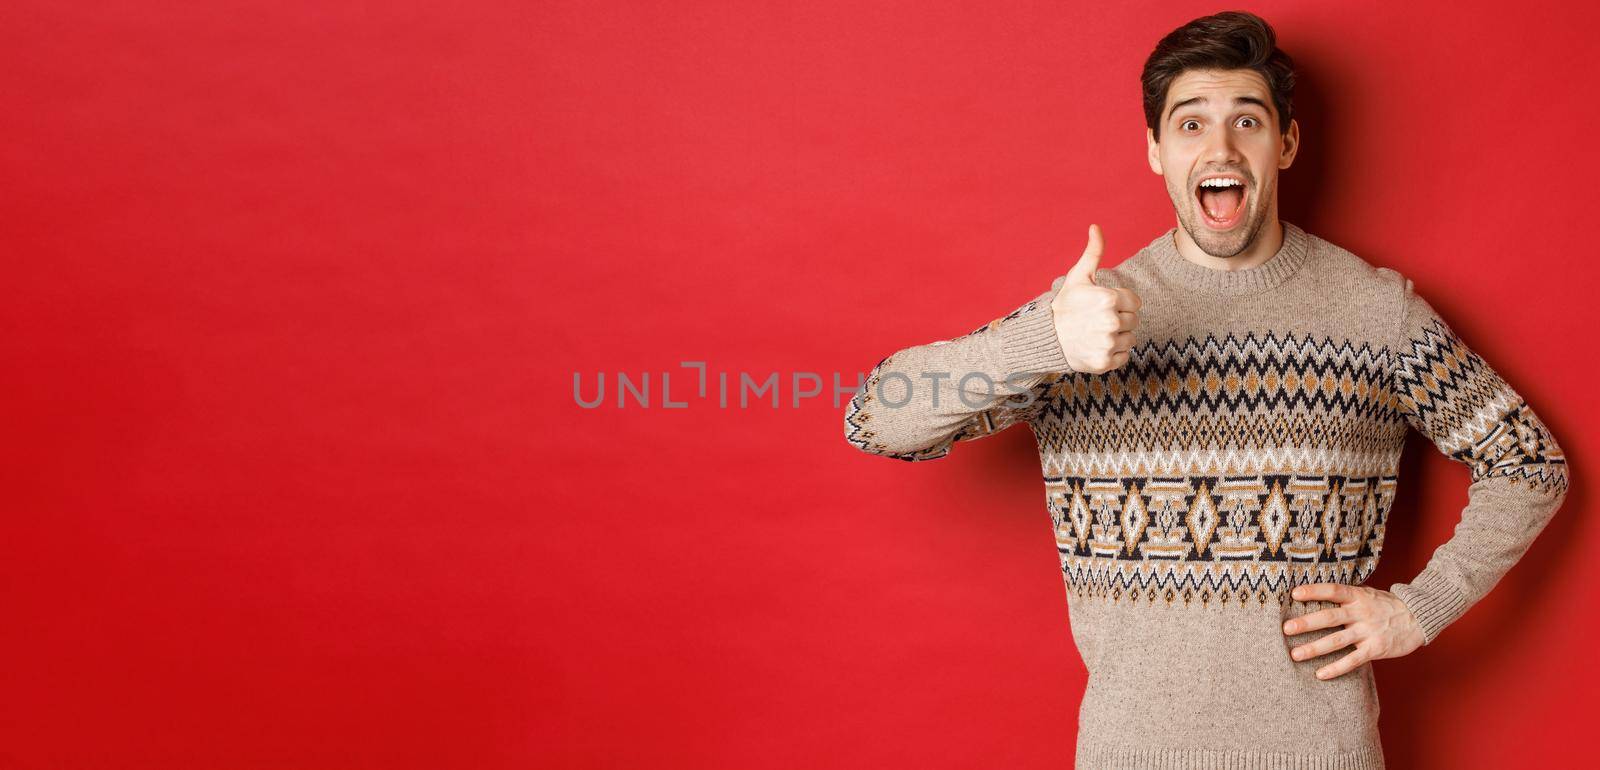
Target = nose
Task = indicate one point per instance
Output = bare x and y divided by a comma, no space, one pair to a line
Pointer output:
1220,148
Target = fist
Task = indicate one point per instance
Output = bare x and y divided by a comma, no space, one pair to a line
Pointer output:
1094,324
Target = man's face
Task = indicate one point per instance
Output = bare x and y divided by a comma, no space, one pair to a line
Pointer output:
1221,122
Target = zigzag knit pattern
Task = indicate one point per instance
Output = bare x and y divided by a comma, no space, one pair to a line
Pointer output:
1448,391
1174,493
1178,404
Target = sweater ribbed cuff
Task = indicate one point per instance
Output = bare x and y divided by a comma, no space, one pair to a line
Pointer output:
1028,342
1435,602
1089,755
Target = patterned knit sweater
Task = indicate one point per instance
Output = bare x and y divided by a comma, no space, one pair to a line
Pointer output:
1249,445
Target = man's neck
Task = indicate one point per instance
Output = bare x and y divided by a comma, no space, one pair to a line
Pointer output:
1266,245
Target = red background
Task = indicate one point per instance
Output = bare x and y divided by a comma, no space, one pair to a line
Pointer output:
295,293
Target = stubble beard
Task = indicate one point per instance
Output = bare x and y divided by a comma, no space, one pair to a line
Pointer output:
1222,245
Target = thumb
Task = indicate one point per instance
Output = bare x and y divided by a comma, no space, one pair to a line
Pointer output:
1083,271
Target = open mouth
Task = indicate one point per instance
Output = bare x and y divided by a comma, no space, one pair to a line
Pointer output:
1221,202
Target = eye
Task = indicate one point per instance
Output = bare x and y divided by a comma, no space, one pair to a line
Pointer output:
1187,122
1253,121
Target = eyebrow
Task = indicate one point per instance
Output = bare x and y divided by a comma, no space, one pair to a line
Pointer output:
1203,100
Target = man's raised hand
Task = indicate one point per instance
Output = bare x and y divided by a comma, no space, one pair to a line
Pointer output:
1094,324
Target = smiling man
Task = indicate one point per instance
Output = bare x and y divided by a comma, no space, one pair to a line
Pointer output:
1220,419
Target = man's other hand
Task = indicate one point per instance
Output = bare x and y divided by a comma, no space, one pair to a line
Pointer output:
1374,620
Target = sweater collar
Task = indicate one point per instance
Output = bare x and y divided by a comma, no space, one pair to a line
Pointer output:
1198,278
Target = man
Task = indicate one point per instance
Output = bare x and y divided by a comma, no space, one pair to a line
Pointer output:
1220,419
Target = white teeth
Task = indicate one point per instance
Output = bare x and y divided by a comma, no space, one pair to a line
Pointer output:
1221,182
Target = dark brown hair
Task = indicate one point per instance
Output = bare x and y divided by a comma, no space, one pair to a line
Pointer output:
1223,41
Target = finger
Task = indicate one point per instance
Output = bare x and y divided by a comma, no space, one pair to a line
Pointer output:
1122,342
1118,359
1083,271
1126,299
1328,592
1127,320
1328,618
1324,645
1343,665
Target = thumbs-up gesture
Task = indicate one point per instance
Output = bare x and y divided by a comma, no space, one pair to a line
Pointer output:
1094,324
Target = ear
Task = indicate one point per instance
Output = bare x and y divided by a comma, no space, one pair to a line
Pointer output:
1153,151
1291,144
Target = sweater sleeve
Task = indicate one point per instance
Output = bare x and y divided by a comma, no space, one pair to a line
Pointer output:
918,401
1519,475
